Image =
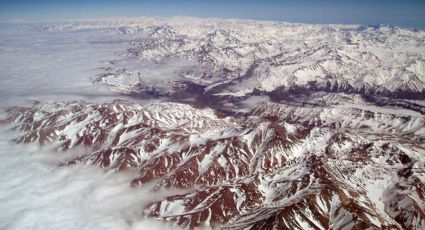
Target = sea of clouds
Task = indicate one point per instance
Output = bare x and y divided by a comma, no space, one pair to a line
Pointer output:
49,65
34,192
37,194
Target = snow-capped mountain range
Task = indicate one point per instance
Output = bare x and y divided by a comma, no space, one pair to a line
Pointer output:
263,125
238,57
279,165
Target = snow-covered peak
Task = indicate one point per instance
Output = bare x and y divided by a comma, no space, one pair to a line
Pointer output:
268,56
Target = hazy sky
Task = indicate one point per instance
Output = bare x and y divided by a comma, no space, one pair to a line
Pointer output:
409,13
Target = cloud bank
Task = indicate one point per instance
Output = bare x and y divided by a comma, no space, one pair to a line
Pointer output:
36,194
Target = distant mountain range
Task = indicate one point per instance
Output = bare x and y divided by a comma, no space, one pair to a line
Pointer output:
266,125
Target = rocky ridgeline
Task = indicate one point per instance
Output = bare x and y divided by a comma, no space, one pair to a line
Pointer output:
334,165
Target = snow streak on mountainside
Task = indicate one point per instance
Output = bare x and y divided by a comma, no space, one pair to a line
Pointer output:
222,57
259,125
277,166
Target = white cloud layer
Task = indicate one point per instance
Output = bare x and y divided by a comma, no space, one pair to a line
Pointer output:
36,194
36,65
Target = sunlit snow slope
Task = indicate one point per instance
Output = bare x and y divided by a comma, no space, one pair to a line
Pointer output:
247,124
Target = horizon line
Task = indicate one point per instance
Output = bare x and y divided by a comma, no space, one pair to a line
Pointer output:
82,19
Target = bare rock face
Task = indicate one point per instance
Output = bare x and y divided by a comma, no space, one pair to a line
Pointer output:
330,165
261,125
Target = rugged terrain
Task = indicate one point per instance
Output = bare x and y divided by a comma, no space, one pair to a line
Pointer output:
264,124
